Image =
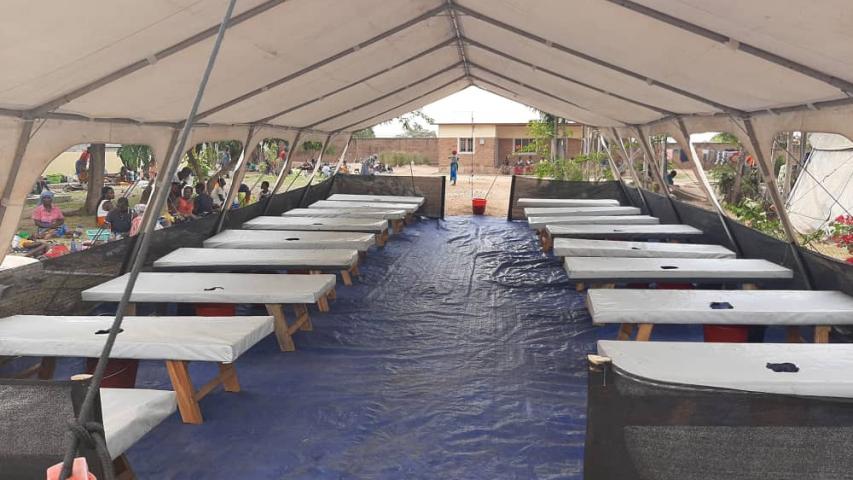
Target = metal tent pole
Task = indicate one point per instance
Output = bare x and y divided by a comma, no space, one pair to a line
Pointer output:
630,161
316,169
145,240
239,174
644,142
343,155
614,168
282,174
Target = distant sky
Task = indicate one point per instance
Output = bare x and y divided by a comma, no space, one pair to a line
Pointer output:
457,108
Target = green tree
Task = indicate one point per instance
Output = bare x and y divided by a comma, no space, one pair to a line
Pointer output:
134,157
364,133
725,137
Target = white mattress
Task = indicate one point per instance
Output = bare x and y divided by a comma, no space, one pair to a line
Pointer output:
576,247
288,239
604,268
205,339
749,307
182,287
213,259
130,413
579,211
824,368
621,231
345,212
567,202
408,207
538,223
348,197
318,224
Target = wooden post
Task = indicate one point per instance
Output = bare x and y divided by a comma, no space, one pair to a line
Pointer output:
184,391
97,167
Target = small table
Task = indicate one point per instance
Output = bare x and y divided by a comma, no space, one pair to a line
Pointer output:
274,291
631,232
288,239
793,308
576,247
175,340
379,227
241,260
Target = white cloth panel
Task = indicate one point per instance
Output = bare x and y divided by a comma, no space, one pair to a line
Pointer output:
317,224
278,239
194,259
576,247
592,268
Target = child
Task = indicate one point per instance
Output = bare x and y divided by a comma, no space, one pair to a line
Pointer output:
105,203
185,202
120,218
265,189
454,166
203,204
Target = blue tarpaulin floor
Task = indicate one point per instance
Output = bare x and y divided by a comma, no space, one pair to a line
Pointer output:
459,353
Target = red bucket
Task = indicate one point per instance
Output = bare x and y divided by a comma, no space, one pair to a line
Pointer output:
215,310
478,205
120,372
726,333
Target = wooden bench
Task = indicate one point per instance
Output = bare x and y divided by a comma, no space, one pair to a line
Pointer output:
378,227
175,340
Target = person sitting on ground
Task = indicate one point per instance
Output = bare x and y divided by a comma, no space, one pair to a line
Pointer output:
184,176
344,168
670,178
120,218
105,203
49,220
203,204
244,195
265,190
218,194
185,202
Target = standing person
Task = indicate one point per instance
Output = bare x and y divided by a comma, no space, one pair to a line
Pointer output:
327,170
48,218
81,166
454,166
120,218
203,204
105,204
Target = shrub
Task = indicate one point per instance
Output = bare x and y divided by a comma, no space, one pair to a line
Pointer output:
398,159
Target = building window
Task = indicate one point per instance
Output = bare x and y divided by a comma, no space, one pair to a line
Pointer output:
522,145
466,145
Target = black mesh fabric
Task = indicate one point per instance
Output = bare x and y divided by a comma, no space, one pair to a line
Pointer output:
530,187
643,430
33,425
431,188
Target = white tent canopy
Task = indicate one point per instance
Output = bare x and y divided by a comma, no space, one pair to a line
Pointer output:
126,71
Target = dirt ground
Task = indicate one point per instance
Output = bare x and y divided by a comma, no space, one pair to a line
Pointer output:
458,198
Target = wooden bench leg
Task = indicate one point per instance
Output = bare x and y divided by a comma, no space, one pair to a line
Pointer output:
821,333
409,218
362,255
323,304
580,287
381,238
547,242
303,320
346,278
397,225
354,270
625,331
184,391
285,342
121,468
793,335
644,332
46,368
228,377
